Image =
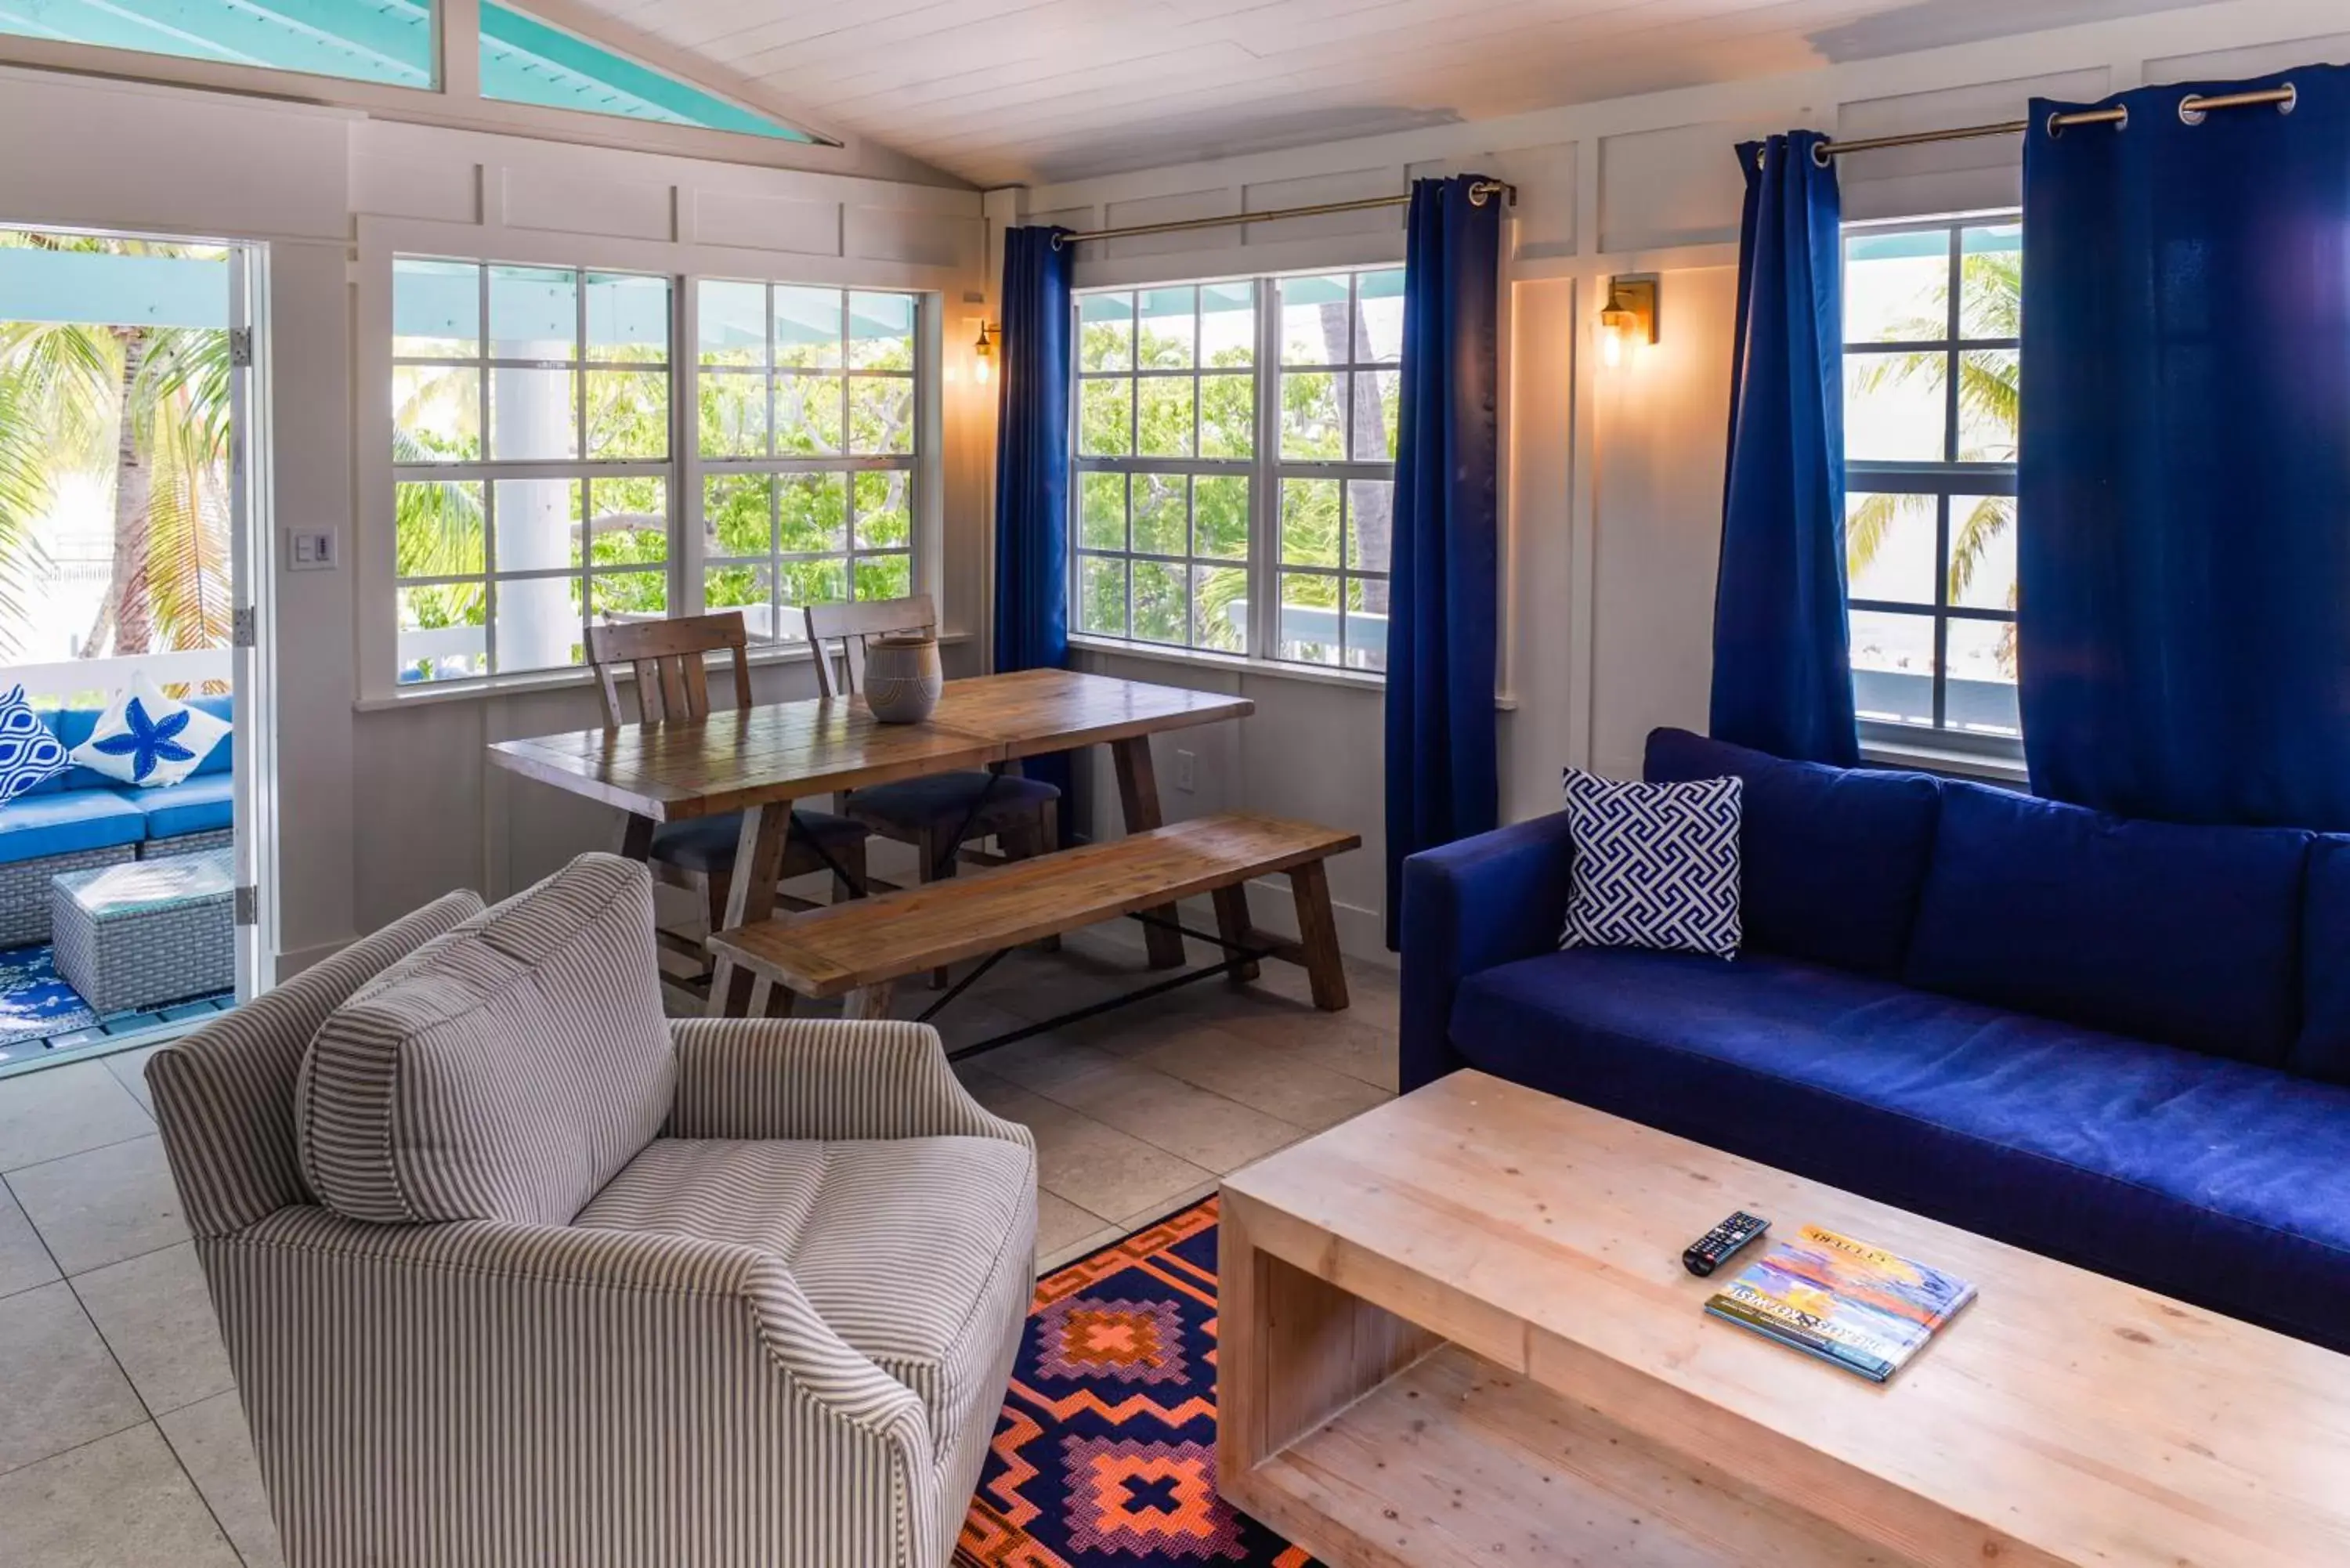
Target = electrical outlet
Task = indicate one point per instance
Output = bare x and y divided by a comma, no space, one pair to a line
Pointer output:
1187,776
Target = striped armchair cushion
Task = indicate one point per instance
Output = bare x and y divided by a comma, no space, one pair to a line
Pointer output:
503,1071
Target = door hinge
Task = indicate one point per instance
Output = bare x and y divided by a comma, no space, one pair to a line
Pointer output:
240,347
243,631
247,905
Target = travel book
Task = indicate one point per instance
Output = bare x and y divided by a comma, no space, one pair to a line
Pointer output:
1865,1308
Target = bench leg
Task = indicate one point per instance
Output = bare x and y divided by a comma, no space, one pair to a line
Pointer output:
868,1002
1232,925
1137,799
1318,934
933,870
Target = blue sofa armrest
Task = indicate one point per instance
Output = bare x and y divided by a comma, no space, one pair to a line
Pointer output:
1488,900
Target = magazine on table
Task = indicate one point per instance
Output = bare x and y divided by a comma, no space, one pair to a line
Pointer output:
1860,1306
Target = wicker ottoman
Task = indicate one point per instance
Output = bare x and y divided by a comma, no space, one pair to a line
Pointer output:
146,932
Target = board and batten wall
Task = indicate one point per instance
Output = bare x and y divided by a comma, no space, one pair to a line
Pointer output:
1612,477
381,805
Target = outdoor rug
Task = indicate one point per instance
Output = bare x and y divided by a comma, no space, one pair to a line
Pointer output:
1106,1453
33,1003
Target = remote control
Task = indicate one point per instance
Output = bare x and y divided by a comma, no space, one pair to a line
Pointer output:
1708,1252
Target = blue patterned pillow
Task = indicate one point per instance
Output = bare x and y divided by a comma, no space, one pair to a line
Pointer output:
30,753
1655,865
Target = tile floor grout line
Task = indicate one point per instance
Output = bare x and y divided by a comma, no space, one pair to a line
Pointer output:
152,1131
187,1240
197,1486
89,1442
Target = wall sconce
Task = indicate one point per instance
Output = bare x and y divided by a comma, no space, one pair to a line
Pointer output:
983,355
1630,315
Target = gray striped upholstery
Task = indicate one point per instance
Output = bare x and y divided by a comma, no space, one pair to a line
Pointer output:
503,1072
224,1095
771,1355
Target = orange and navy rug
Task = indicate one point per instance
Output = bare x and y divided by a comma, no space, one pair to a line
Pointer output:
1106,1453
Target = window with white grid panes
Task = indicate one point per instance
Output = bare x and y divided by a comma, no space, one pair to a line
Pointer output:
532,463
807,430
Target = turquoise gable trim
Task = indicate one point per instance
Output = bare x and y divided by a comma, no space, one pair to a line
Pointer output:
388,41
94,287
523,60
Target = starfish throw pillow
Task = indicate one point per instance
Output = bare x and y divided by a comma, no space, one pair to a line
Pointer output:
147,738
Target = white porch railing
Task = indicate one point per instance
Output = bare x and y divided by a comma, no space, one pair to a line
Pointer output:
84,682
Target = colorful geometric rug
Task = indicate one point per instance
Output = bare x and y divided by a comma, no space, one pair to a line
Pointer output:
1106,1453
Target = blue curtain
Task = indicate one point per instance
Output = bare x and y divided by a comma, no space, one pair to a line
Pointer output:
1442,754
1782,646
1031,471
2183,514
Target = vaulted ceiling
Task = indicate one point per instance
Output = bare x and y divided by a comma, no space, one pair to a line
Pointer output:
1030,92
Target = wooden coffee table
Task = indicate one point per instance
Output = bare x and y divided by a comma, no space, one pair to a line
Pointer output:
1457,1330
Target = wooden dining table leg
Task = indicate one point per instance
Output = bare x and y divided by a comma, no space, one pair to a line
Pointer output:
1137,800
636,838
750,898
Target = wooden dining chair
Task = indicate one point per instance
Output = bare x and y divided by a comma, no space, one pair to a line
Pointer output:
939,813
673,683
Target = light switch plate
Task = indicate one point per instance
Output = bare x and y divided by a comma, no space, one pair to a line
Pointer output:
311,550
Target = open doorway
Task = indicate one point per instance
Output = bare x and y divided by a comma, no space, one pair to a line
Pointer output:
127,691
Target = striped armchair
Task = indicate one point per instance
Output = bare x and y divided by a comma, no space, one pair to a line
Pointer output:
777,1335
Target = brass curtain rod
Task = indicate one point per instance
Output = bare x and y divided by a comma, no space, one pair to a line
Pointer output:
2190,109
1479,193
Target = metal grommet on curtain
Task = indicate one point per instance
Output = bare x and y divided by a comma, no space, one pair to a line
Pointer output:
2292,99
2188,115
1820,154
1761,155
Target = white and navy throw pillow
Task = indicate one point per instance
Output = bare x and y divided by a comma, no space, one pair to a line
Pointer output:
146,738
1655,865
30,753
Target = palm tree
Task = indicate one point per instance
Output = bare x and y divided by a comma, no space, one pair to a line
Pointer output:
1993,306
147,408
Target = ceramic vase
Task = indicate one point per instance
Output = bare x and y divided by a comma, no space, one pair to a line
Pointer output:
903,678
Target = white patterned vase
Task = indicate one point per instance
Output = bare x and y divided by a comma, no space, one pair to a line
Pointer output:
903,678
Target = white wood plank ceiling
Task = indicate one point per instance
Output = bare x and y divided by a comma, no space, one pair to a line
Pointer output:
1033,91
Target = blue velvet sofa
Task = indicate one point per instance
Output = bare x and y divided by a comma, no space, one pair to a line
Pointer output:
2124,1045
83,818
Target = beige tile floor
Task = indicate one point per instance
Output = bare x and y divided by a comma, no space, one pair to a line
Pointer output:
121,1445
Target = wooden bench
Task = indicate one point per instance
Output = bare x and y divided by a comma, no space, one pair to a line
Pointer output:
860,948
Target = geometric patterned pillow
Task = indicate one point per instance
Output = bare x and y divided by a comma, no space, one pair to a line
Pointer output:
146,738
1655,865
30,755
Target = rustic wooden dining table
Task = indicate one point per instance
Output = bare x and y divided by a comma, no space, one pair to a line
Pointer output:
758,760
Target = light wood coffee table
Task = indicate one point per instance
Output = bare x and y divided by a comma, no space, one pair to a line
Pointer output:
1457,1330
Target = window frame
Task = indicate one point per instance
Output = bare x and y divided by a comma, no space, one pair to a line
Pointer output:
684,269
1266,471
489,471
1943,482
777,464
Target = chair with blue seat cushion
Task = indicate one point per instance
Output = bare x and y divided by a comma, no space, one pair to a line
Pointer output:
672,685
939,814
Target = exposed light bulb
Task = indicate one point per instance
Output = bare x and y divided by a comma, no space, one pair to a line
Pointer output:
979,371
1611,346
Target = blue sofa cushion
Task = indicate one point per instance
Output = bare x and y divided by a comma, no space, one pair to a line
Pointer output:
2219,1183
36,825
2322,1049
2187,935
196,805
1834,856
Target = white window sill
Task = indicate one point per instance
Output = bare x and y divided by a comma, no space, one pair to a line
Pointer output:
1945,760
1202,659
425,694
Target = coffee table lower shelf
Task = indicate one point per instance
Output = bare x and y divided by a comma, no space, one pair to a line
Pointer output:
1455,1462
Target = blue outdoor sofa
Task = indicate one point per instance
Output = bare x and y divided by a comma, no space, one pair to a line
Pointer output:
2124,1044
83,818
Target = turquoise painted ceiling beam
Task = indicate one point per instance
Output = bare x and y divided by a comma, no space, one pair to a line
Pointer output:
99,289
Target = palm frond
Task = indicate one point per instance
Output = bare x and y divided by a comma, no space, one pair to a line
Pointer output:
188,571
437,524
1867,526
1990,516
